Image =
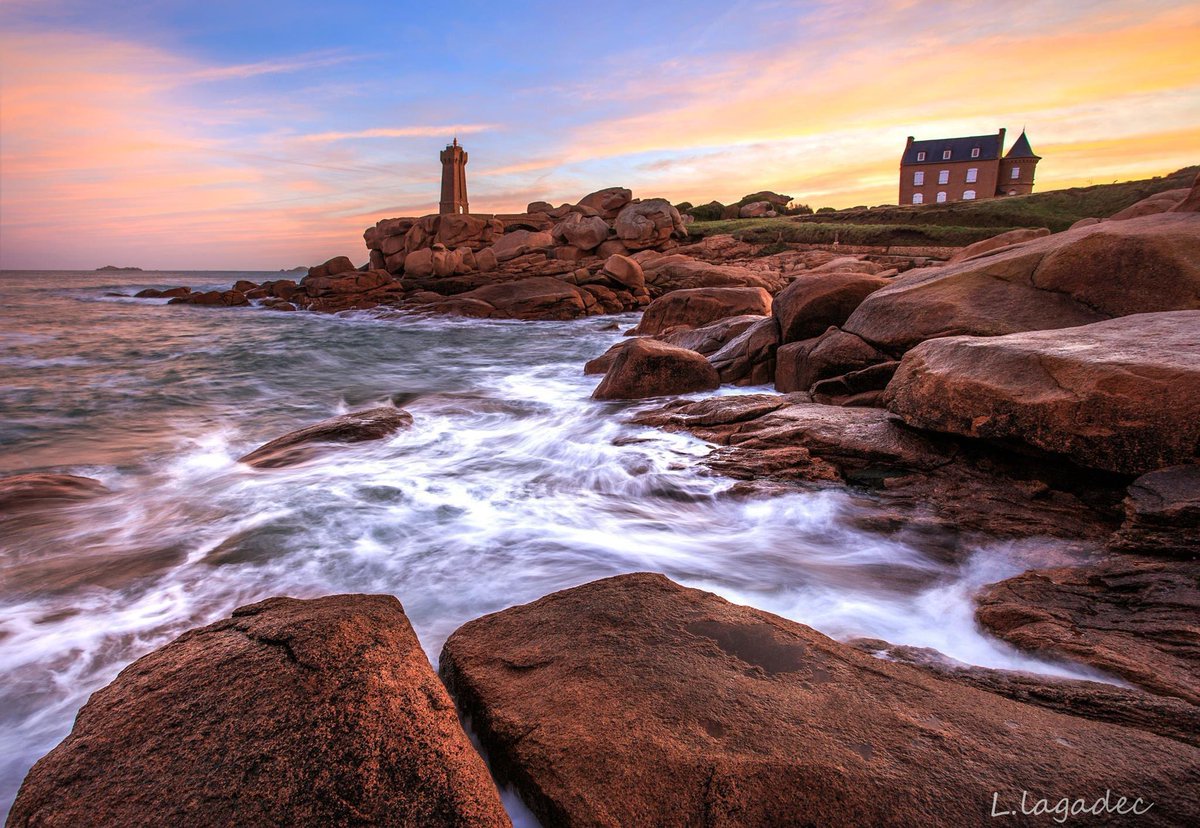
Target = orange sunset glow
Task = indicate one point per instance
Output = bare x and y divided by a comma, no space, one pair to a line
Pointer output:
167,152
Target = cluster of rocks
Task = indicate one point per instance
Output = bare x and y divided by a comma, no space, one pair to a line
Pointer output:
563,262
1035,385
627,701
1039,385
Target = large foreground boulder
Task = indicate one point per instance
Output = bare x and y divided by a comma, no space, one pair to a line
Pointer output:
1137,618
321,712
306,443
1121,395
701,306
997,242
635,701
646,368
1085,275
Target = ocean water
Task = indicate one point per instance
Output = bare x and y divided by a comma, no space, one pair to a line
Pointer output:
511,484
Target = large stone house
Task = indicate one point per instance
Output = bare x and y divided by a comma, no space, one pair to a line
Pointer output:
963,169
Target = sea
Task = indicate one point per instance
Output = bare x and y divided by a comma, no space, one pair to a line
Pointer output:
511,484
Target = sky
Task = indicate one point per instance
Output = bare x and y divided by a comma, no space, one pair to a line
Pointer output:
265,135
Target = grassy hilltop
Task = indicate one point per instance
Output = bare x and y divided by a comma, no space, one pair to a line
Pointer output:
955,224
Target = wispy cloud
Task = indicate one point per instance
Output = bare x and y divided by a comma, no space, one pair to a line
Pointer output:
243,71
260,151
434,131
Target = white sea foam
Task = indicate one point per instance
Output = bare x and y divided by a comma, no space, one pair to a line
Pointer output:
510,484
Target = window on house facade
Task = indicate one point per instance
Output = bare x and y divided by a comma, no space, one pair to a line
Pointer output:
975,152
921,156
972,175
1016,173
918,178
941,197
943,176
945,155
968,195
918,198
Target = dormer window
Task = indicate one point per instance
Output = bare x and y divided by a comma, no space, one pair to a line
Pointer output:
945,155
921,155
975,152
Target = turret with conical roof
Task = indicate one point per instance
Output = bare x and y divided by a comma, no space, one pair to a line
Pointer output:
1017,167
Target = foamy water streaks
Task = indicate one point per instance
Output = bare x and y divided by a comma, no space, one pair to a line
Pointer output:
510,484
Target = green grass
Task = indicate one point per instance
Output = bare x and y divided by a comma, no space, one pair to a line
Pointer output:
790,230
948,225
1055,209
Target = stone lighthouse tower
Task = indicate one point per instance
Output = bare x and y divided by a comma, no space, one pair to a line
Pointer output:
454,180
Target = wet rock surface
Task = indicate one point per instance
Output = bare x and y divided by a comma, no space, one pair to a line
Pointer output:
1137,618
647,368
911,475
1071,278
303,444
1162,514
1121,395
44,490
633,700
321,712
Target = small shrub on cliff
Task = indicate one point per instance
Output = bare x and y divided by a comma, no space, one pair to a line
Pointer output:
708,212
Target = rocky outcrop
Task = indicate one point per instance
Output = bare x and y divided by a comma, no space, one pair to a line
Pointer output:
997,242
710,338
1162,514
609,202
43,489
646,368
306,443
520,242
349,282
169,293
1191,201
679,272
634,700
334,267
697,307
584,233
211,298
1150,205
801,365
1137,618
757,209
649,223
915,478
749,358
1098,701
815,301
537,298
1121,395
321,712
1072,278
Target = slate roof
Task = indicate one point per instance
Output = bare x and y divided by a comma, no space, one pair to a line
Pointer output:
960,149
1021,148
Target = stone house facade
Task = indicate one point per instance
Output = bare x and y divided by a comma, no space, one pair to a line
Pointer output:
942,170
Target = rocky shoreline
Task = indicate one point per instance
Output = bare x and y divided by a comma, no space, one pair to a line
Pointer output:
1037,385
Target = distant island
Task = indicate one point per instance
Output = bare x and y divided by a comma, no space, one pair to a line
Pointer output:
296,269
114,267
